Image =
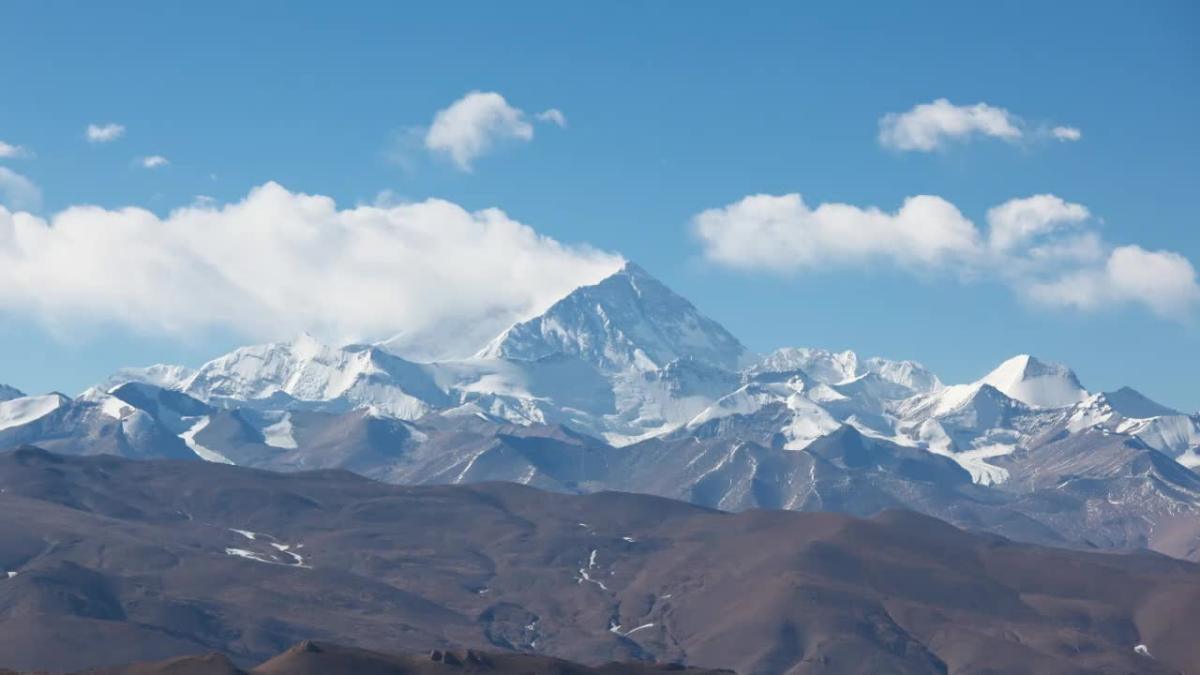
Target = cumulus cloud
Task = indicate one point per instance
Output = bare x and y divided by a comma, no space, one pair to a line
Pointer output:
929,126
1066,133
18,192
153,162
474,125
278,262
10,151
1017,221
1042,246
1164,281
104,133
932,126
783,233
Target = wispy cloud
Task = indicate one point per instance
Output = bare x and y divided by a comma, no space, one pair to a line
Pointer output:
10,151
278,262
104,133
933,126
553,116
153,162
1042,246
1066,133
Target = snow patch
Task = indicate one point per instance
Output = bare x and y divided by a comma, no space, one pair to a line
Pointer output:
280,434
208,455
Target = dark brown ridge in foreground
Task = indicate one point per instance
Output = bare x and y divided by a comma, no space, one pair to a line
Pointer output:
313,658
105,561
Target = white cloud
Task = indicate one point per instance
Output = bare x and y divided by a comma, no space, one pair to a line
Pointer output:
474,124
1066,133
1018,221
932,126
104,133
18,192
10,151
1164,281
1041,246
553,116
278,262
153,162
929,126
782,233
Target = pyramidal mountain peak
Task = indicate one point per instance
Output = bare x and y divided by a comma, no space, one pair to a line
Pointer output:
627,321
1037,383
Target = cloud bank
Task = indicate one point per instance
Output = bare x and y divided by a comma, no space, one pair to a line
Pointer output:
1041,246
933,126
277,263
478,122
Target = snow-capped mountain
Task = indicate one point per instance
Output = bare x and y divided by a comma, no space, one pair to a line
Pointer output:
625,385
305,373
1036,383
628,321
1128,412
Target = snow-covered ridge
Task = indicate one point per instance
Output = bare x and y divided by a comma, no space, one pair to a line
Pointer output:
20,411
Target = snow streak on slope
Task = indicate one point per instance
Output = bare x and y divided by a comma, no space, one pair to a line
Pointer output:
189,437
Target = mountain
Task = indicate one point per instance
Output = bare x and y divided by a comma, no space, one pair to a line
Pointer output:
1036,383
8,393
624,385
628,321
112,561
1128,412
835,368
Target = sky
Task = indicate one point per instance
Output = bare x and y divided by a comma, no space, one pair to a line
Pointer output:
953,183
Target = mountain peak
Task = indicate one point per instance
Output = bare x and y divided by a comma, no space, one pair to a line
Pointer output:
1037,383
1130,402
8,393
628,320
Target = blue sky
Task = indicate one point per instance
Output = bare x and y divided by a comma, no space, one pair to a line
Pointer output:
670,112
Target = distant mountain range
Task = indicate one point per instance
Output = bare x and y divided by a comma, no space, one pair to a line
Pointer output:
106,561
625,385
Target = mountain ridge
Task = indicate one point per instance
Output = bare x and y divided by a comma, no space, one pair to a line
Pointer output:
625,385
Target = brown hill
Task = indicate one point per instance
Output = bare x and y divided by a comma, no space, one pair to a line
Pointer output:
113,561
